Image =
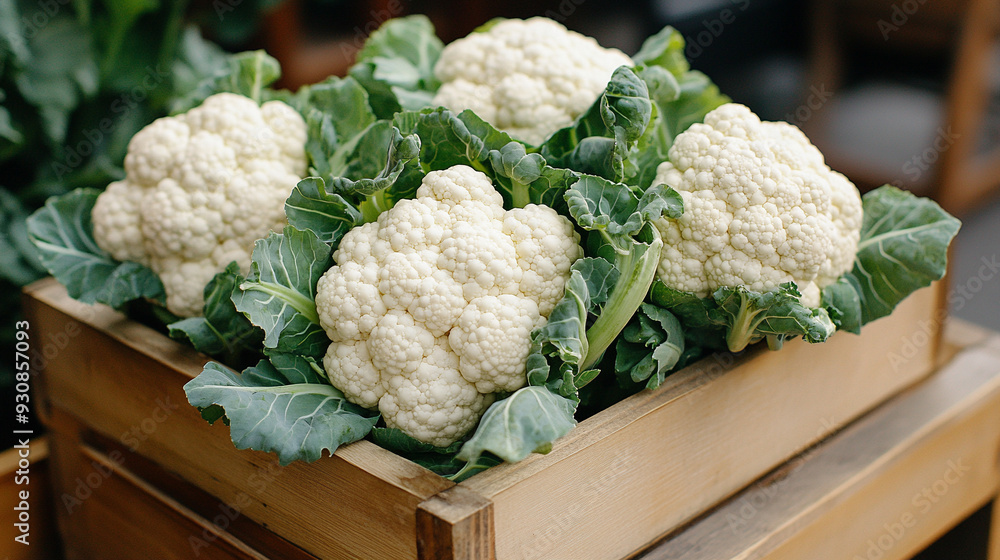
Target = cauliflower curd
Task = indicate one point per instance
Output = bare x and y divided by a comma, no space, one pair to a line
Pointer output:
199,189
761,207
430,309
528,78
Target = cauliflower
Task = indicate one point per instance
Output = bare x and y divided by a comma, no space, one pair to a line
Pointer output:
199,189
526,77
430,309
761,208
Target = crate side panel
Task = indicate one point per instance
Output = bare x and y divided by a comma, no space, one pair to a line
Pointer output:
886,486
661,458
105,514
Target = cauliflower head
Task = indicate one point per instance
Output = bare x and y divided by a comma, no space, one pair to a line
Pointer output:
430,309
199,189
761,207
528,78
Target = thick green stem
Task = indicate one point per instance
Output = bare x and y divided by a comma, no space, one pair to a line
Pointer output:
319,371
775,342
741,333
116,36
470,468
300,388
638,269
374,205
299,302
520,196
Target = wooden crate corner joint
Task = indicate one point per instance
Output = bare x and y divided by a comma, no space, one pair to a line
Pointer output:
456,524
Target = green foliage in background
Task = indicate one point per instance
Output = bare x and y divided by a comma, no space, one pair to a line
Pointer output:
78,78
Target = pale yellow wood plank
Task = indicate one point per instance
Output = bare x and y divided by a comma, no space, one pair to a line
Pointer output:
883,488
663,457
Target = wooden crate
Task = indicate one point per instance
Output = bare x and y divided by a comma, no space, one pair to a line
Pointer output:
621,479
885,487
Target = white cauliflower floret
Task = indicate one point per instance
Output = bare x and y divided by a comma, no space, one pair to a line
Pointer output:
361,245
545,251
434,404
526,77
761,208
351,370
493,337
398,344
439,302
414,224
200,188
349,303
431,307
482,259
461,184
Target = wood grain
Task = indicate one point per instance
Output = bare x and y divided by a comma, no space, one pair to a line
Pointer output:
883,488
126,381
198,502
42,536
456,524
660,458
108,513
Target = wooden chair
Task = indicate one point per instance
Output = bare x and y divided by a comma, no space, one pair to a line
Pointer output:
966,33
965,176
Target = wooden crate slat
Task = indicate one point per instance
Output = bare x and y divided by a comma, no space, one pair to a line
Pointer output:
224,516
113,514
866,486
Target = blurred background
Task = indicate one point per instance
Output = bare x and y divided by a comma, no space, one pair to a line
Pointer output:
892,91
